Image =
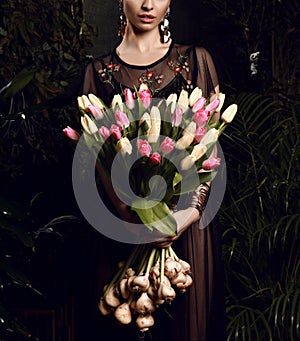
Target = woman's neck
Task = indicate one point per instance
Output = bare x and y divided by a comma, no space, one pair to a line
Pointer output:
141,48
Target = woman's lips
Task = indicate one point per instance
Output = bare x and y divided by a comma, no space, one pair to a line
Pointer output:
147,18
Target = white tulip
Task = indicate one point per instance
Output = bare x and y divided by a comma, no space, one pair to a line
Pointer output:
229,113
154,131
183,100
117,100
124,146
96,101
210,137
88,125
194,96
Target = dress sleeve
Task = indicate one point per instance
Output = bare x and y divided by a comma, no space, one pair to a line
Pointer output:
91,84
204,74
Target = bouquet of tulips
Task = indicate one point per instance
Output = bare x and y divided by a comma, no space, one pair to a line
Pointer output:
163,148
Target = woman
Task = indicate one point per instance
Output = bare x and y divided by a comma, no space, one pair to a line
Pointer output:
148,55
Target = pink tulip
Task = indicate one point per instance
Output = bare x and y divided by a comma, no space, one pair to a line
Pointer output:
211,163
200,132
71,133
213,105
167,145
129,99
121,119
145,96
115,131
103,131
177,117
199,104
95,111
144,148
201,117
154,159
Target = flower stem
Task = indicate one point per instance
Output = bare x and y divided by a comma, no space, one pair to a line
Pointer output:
173,254
120,274
221,128
162,264
143,262
150,261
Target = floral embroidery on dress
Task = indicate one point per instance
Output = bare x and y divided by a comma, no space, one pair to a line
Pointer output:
179,65
107,72
150,79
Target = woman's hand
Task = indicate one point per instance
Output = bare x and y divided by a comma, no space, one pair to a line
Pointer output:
184,218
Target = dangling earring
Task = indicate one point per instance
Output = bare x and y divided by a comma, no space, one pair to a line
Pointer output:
122,20
164,28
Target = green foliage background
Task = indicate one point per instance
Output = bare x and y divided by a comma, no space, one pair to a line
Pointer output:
43,49
260,211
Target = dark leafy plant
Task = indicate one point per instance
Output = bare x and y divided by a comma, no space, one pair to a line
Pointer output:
46,40
261,218
43,51
20,234
15,234
270,27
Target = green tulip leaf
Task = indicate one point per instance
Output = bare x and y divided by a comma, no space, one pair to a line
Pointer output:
176,180
189,186
155,215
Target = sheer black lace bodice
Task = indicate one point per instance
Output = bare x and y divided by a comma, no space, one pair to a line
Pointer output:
182,67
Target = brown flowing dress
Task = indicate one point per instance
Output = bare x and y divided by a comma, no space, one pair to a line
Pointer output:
198,314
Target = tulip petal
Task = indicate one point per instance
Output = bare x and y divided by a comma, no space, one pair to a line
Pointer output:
229,113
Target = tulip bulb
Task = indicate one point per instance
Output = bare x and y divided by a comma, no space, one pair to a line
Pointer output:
171,268
111,297
104,308
144,304
144,322
140,283
152,292
123,313
129,283
154,272
166,292
185,266
182,286
123,288
129,272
